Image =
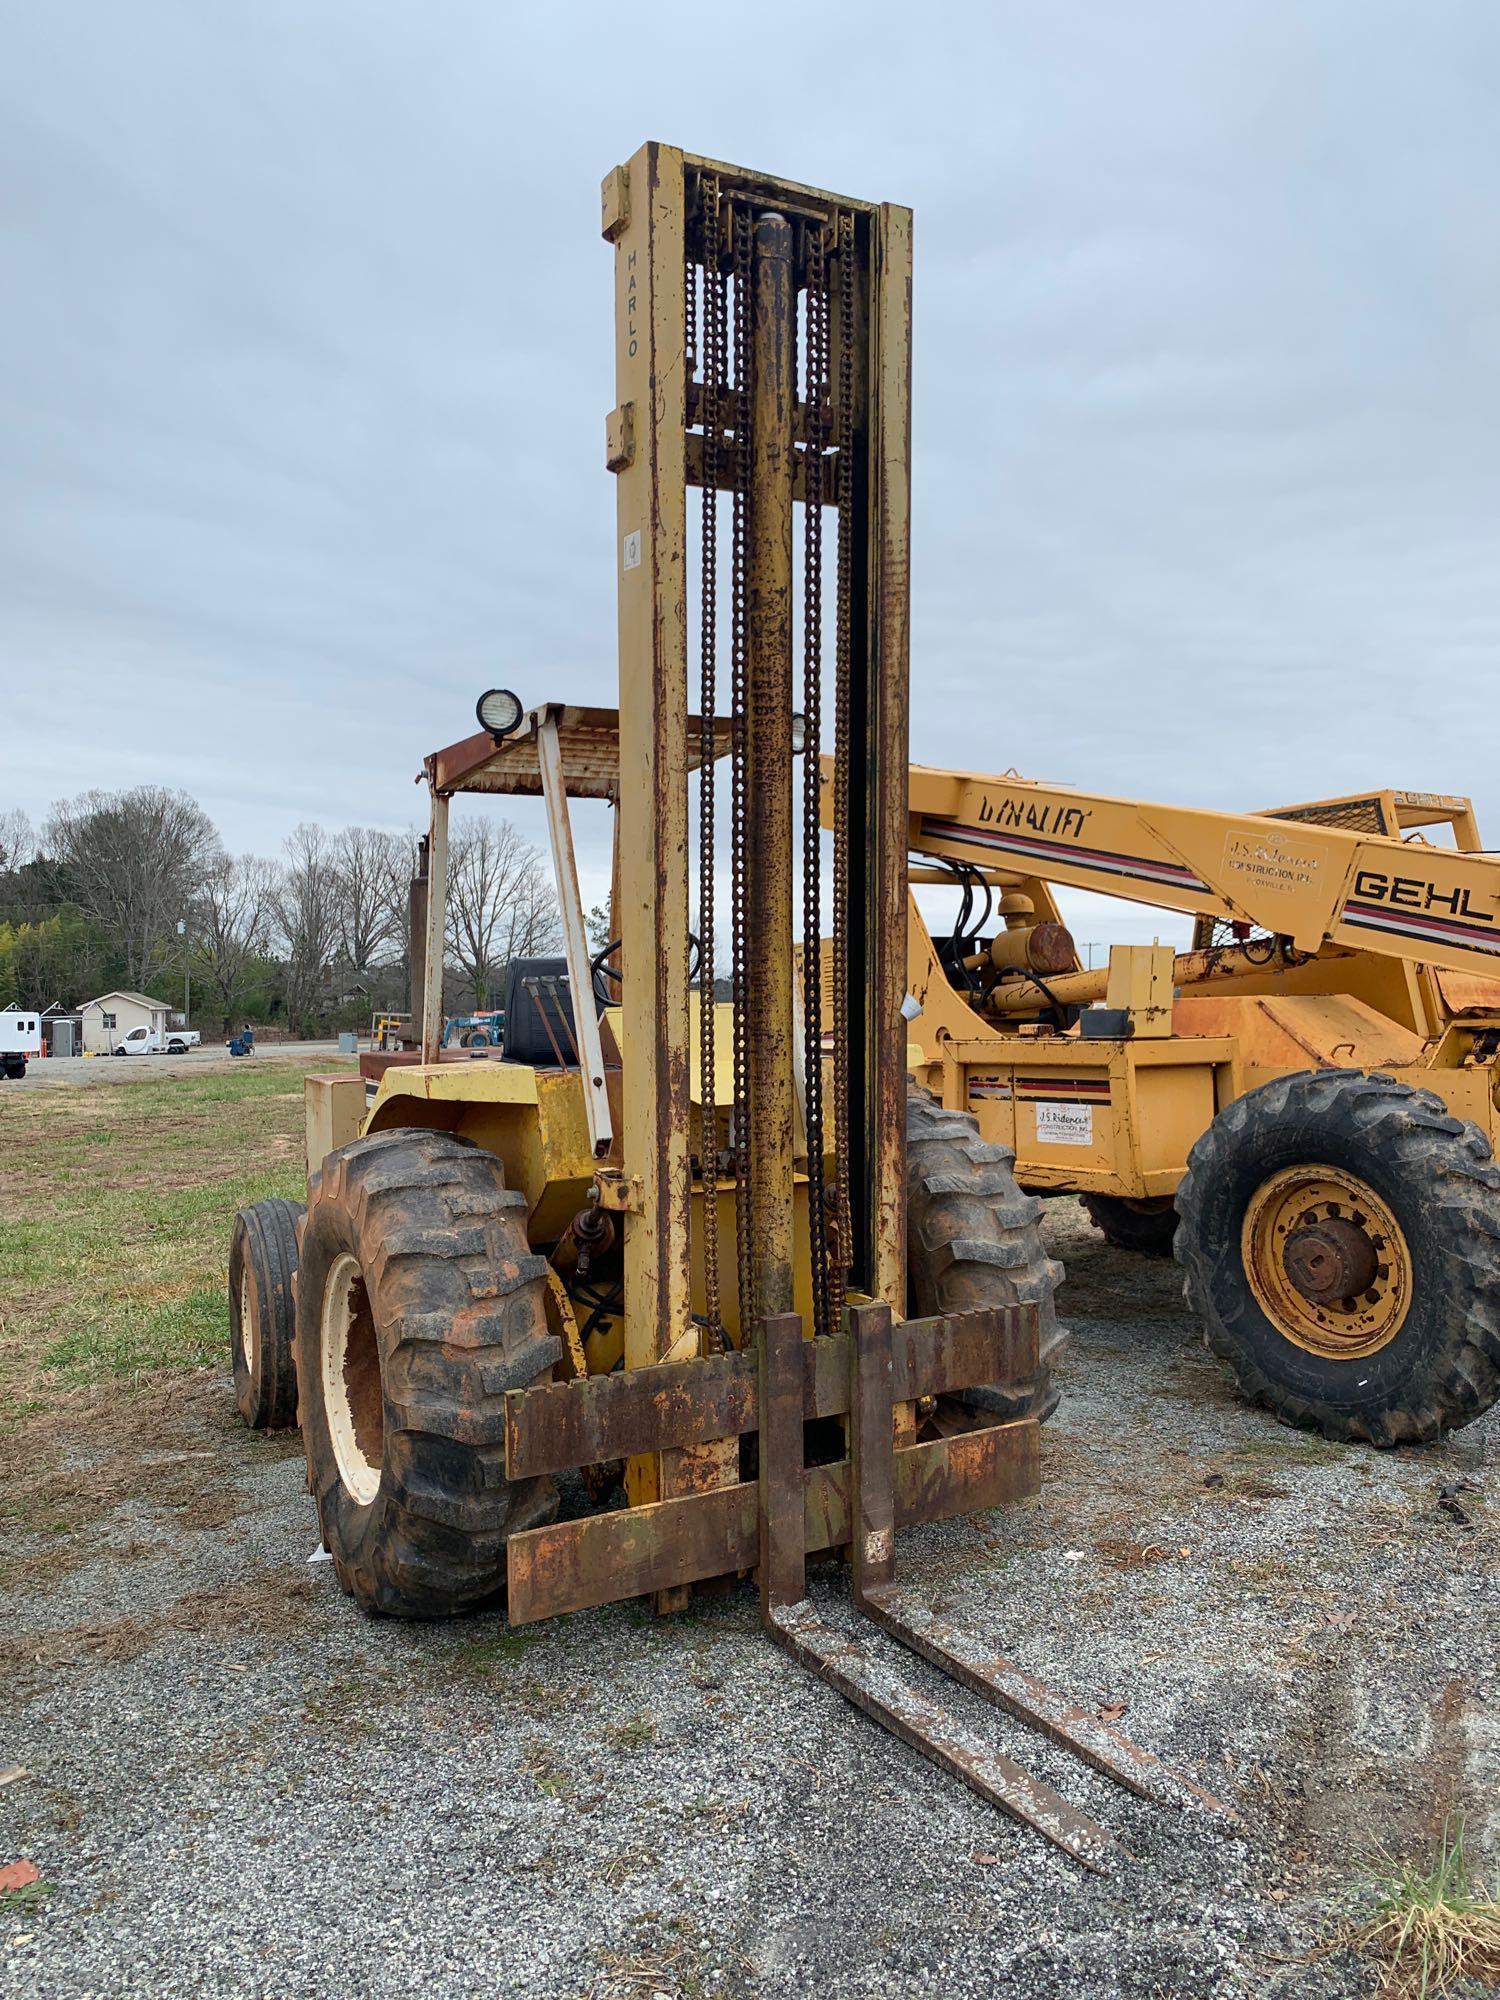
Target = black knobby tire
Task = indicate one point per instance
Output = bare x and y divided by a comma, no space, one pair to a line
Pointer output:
441,1305
974,1239
263,1313
1146,1228
1437,1176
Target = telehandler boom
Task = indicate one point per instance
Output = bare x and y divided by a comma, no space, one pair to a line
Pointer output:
646,1247
1306,1104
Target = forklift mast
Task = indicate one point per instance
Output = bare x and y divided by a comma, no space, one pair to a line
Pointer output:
762,342
762,355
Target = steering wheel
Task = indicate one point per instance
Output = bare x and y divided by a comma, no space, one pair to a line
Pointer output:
601,969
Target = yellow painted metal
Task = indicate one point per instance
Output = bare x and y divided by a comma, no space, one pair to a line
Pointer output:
333,1107
1371,995
1299,1198
1108,1117
465,1082
801,1266
563,1321
643,217
769,1025
1312,883
889,364
534,1120
1140,985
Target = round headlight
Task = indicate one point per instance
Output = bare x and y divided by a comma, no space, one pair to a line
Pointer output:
799,734
499,712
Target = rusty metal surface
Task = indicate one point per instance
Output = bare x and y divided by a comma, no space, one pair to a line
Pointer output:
1332,1260
999,1680
589,740
767,912
782,1505
644,221
570,1565
604,1558
933,1357
967,1473
862,1677
886,724
872,1541
557,1425
562,1424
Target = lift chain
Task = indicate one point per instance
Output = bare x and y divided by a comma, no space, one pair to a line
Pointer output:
744,1194
815,400
842,752
712,373
690,290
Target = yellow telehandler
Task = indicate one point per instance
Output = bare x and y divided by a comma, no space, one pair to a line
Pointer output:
1305,1105
655,1234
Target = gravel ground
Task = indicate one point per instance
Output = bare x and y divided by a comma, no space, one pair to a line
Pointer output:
240,1786
53,1070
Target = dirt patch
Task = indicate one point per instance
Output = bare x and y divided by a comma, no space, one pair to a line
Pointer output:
265,1604
1121,1553
173,1446
269,1603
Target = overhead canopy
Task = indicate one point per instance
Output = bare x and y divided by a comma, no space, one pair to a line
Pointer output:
589,742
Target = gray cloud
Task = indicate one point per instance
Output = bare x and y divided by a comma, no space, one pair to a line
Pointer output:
306,346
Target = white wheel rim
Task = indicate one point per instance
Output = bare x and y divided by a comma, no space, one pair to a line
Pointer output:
246,1322
351,1380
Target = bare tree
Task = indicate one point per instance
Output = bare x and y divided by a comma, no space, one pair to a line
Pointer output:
501,902
17,841
304,902
132,862
230,926
372,869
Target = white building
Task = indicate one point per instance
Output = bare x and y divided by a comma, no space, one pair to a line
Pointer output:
110,1018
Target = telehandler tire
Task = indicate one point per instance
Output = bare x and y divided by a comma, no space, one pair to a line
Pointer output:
419,1303
1340,1240
972,1239
1147,1227
263,1313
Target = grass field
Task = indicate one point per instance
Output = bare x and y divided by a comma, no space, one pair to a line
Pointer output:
116,1202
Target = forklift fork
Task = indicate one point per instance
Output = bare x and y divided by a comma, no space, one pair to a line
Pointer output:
859,1671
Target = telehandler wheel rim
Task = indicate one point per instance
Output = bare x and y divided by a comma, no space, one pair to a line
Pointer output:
1327,1261
353,1396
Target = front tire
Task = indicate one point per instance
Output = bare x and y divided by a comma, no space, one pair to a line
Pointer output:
1339,1236
973,1239
419,1303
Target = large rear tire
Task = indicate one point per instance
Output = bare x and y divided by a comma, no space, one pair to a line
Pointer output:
263,1313
973,1239
1146,1227
1339,1236
419,1303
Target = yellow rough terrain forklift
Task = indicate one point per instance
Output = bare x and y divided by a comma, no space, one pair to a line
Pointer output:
662,1237
1305,1105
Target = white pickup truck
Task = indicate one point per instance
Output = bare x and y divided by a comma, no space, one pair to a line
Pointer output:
150,1042
20,1039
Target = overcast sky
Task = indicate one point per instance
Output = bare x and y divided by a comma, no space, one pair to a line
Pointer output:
305,349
